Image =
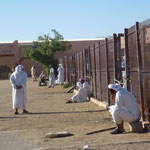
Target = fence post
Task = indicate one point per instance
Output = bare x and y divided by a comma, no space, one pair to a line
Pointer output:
67,59
78,64
90,71
126,52
115,56
95,71
139,69
106,58
82,65
85,63
120,58
89,65
72,67
100,70
74,74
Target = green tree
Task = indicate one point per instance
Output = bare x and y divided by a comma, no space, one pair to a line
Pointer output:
44,48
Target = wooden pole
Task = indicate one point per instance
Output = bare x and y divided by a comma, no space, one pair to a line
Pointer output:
127,86
106,59
95,71
139,59
100,84
115,56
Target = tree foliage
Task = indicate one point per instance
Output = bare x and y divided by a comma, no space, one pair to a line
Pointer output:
44,48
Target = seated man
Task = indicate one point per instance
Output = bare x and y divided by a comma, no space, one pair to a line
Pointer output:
125,108
42,79
82,94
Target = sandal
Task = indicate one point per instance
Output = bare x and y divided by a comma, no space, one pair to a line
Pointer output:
25,111
16,113
68,102
117,131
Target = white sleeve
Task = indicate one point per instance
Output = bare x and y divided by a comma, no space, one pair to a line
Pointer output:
24,79
79,84
12,81
119,100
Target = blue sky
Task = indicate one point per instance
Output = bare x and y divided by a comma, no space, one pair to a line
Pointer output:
25,20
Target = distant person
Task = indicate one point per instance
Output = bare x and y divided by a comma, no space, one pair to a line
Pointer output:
33,73
123,64
125,108
42,77
61,71
51,77
18,80
82,94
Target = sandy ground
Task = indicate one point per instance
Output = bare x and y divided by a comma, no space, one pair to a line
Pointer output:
50,113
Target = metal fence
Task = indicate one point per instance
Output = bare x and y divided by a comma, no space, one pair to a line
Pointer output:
137,50
100,65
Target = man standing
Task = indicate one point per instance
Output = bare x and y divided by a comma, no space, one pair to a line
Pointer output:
61,71
125,108
33,73
18,80
51,77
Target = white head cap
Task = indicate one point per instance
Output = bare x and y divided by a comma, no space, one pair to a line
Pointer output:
115,87
18,68
79,84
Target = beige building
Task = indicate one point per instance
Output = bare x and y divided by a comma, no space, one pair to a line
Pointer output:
12,54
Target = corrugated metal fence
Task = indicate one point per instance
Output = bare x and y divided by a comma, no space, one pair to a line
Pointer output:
100,64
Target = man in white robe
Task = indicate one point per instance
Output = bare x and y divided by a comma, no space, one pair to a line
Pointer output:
33,73
51,77
125,108
82,93
18,80
61,71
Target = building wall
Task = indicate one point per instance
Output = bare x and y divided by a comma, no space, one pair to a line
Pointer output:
9,61
12,53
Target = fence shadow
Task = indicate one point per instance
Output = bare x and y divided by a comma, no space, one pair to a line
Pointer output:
8,118
72,112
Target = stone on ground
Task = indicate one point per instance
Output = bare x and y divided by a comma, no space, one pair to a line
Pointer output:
58,134
136,126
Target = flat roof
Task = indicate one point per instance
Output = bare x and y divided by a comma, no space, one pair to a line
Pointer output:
29,42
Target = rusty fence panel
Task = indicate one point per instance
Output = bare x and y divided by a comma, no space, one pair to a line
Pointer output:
134,81
93,70
73,70
137,52
119,54
85,63
112,68
66,68
89,71
76,68
144,39
79,65
81,72
104,69
98,71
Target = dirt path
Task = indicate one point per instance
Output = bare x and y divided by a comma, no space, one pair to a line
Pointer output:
49,113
